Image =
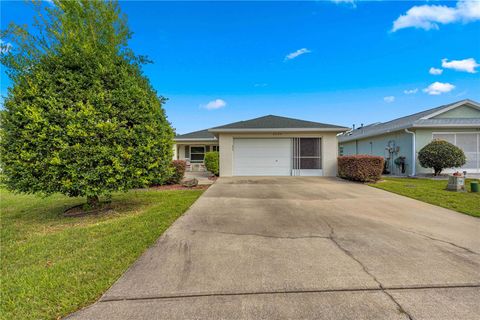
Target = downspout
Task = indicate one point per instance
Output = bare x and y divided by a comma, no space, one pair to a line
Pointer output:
414,155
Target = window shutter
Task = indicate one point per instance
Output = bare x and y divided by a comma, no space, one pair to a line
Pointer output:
187,152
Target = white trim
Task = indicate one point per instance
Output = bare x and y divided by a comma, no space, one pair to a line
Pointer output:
454,106
281,130
465,125
414,151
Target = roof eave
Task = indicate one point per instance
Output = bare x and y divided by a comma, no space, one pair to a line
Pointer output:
232,130
195,139
449,125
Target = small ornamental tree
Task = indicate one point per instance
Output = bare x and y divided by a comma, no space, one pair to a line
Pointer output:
80,118
440,155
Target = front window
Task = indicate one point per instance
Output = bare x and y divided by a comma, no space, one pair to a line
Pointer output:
216,148
197,154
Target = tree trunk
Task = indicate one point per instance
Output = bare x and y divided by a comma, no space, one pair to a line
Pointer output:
93,201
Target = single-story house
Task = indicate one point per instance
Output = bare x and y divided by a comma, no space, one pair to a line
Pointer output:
265,146
457,123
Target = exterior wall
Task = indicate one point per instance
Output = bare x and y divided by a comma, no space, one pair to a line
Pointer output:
329,148
424,136
460,112
376,146
179,151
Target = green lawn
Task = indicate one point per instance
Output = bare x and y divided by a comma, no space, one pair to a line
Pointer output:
52,266
433,192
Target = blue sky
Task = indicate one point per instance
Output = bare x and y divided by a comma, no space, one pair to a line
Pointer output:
339,62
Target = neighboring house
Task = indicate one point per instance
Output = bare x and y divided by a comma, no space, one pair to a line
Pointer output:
265,146
458,123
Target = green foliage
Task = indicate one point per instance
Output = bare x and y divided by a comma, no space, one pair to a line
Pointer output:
433,191
363,168
52,265
82,119
178,171
440,155
212,162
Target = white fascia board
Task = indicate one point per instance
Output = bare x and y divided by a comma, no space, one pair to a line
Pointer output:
196,139
452,125
282,130
454,106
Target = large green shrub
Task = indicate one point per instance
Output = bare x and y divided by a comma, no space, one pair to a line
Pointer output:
81,119
363,168
212,162
440,155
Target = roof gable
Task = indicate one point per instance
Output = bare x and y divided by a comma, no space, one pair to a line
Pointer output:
464,111
451,108
276,122
428,118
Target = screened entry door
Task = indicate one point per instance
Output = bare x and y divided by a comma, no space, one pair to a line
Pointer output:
469,142
307,157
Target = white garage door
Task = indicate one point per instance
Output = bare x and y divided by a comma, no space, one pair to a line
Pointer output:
262,157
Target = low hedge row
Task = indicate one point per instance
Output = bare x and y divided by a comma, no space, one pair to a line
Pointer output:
363,168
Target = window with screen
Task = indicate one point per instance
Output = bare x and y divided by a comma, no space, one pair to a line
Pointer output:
197,154
306,153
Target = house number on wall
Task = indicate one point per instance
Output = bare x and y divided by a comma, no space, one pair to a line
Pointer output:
277,133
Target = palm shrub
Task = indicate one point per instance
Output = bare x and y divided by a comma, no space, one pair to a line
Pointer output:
81,119
212,162
439,155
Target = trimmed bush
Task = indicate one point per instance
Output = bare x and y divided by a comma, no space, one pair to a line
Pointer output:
212,162
178,168
362,168
439,155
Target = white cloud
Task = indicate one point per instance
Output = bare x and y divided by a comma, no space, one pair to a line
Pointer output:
438,88
296,54
389,99
435,71
215,104
411,91
428,17
467,65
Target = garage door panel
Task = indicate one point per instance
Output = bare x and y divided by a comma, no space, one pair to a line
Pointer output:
262,157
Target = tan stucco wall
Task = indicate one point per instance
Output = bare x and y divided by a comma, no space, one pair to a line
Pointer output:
329,148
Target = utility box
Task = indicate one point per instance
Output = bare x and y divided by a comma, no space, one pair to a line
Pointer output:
456,183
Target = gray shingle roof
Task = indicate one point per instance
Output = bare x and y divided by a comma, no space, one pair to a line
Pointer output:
276,122
410,121
196,135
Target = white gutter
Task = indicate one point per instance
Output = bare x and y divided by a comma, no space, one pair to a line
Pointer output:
414,155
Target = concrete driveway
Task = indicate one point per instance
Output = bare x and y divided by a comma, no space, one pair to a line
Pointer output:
303,248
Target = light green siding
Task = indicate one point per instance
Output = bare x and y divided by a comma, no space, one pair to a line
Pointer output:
377,146
424,136
460,112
